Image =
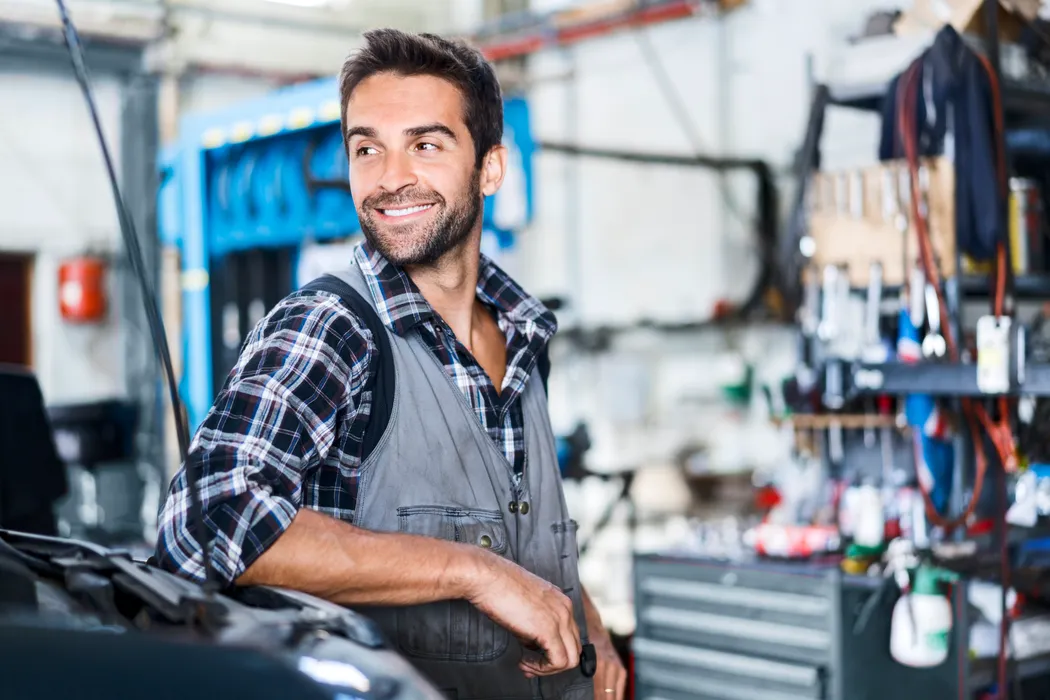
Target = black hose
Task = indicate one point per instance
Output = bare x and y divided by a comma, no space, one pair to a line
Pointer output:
149,297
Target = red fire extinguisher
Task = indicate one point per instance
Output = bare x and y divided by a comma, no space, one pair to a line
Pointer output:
82,289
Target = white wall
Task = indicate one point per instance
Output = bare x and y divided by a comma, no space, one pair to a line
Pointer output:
745,86
57,203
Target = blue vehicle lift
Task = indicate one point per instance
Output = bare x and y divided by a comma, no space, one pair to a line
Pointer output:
265,178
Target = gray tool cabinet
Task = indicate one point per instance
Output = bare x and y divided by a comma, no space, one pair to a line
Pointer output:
713,630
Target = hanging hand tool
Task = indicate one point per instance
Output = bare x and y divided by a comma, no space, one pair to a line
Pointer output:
874,351
856,195
902,202
874,348
828,328
917,297
829,331
933,345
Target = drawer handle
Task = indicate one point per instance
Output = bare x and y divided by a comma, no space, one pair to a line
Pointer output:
652,650
742,597
737,627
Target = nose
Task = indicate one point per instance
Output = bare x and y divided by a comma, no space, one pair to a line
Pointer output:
397,172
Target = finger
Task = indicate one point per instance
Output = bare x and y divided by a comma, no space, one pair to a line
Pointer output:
559,650
602,680
599,684
621,683
554,656
544,670
571,639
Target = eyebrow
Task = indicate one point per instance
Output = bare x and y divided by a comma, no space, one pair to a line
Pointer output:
363,131
435,128
413,131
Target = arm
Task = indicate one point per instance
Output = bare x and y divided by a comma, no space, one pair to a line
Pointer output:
594,620
352,566
271,425
611,675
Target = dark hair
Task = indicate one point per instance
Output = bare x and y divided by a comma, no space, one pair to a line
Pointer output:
394,51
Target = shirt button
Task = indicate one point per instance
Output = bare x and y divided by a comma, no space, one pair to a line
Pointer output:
513,507
524,508
485,541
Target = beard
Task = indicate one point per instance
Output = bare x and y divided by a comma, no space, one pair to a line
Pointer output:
426,242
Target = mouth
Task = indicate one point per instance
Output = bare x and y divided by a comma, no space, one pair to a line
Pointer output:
402,213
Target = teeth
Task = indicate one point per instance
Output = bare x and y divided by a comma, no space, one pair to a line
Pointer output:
405,212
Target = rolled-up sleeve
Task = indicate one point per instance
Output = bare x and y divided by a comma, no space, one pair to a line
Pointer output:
300,372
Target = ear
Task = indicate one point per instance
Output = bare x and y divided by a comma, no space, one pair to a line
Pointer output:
493,170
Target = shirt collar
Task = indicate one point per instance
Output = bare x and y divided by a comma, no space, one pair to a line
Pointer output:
401,306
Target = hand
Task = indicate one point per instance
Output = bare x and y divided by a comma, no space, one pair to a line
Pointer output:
532,609
610,675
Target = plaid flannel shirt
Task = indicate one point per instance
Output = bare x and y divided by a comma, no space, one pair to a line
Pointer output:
286,429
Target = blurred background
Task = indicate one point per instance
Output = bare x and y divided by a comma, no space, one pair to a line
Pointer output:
695,187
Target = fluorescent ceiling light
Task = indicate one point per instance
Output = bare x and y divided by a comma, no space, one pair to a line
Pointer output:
302,3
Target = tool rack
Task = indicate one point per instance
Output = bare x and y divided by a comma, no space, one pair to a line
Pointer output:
1022,104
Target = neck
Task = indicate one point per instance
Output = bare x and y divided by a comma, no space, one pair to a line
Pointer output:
450,285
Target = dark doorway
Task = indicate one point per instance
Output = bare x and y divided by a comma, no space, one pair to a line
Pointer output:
16,273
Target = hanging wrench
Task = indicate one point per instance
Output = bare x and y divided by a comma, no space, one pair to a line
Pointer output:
933,345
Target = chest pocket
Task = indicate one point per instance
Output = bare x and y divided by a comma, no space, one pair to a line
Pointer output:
452,630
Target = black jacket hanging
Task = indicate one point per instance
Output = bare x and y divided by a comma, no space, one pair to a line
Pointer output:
955,91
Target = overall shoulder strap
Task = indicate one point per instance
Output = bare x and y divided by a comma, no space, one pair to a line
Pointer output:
543,364
381,381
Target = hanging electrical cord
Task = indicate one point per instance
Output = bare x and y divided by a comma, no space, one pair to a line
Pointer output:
149,297
976,415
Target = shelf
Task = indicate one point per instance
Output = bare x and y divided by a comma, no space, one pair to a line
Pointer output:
982,671
1032,287
938,379
1036,380
865,96
1021,101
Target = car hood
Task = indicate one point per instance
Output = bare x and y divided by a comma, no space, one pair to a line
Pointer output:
61,599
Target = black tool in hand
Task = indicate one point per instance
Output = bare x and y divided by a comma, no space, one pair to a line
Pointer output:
588,661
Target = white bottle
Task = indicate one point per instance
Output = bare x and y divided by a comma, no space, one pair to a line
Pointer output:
920,632
870,524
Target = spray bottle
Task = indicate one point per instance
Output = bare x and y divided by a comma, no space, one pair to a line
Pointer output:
921,626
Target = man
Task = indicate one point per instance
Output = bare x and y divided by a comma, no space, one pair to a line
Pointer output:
452,533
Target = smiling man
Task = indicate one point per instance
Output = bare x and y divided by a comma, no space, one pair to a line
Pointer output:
449,525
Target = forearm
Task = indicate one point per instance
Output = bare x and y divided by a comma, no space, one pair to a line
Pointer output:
334,560
594,620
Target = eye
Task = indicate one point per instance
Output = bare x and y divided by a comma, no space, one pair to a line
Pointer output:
364,151
427,146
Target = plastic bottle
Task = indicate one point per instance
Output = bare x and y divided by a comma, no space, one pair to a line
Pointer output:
870,524
920,632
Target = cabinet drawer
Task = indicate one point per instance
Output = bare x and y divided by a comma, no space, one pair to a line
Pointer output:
779,615
671,671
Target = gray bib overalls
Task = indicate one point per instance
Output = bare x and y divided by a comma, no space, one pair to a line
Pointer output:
436,472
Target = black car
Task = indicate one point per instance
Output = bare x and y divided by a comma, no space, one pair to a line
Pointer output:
81,621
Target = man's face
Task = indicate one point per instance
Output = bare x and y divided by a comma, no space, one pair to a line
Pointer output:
412,167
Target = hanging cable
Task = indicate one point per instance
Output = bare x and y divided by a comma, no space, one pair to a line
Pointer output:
149,297
976,415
